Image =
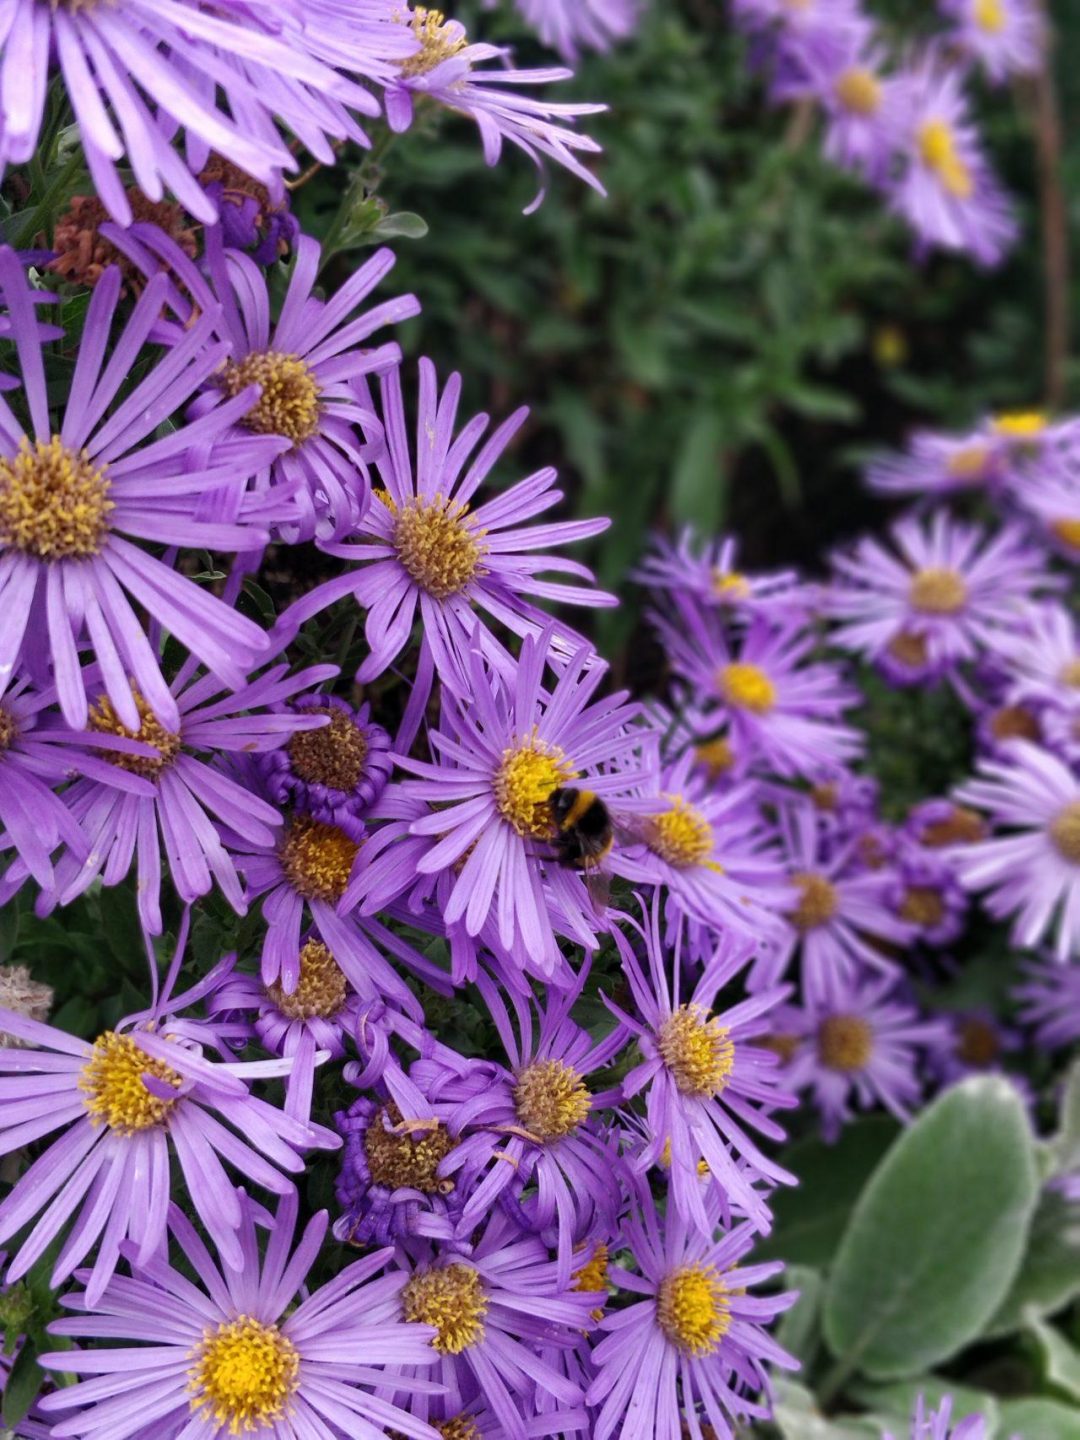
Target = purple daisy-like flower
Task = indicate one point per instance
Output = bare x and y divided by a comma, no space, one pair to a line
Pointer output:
493,1309
1031,873
1006,37
927,895
691,1350
570,26
941,583
424,552
1048,494
939,824
137,75
191,808
132,1104
937,1424
761,692
935,465
231,1353
860,1047
977,1042
71,496
709,573
707,1082
947,191
308,365
1049,998
335,774
443,70
503,751
254,218
812,31
1039,656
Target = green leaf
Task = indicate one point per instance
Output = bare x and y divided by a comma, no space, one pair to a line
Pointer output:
1039,1420
1066,1143
937,1236
698,486
1049,1276
799,1329
403,225
797,1416
24,1380
1061,1362
810,1219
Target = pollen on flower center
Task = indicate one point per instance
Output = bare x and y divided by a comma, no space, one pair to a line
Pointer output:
693,1309
845,1042
333,755
937,591
715,755
730,585
54,504
451,1299
969,463
989,15
404,1157
104,720
458,1427
908,650
1069,674
922,905
937,148
289,403
859,91
960,827
1067,531
1020,424
1014,722
979,1043
317,858
113,1087
551,1099
244,1374
439,40
1065,833
747,687
321,990
697,1049
436,545
818,901
680,835
528,773
8,729
593,1275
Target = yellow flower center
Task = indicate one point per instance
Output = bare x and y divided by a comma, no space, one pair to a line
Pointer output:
960,827
524,782
453,1301
407,1156
715,755
436,545
845,1042
332,756
438,42
321,990
1065,833
818,901
747,687
1014,722
1020,424
693,1309
785,1047
458,1427
730,585
989,15
937,147
317,858
908,650
922,905
551,1099
1069,675
104,720
1068,532
112,1084
697,1049
8,730
859,91
289,403
937,591
243,1374
681,836
593,1276
969,463
54,504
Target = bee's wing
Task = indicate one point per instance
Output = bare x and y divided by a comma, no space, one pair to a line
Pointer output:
598,884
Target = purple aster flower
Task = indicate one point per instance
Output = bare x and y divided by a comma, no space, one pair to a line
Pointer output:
936,465
1031,873
335,774
1049,1000
926,895
503,752
710,574
179,57
977,1041
801,33
937,1424
131,1104
761,693
570,26
1039,655
1006,37
425,553
189,807
231,1354
860,1047
71,495
937,824
707,1082
947,191
944,583
443,70
307,364
691,1344
1048,494
254,218
492,1310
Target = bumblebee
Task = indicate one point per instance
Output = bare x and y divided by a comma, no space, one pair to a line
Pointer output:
584,833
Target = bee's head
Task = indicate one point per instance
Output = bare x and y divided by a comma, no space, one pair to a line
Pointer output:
562,802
